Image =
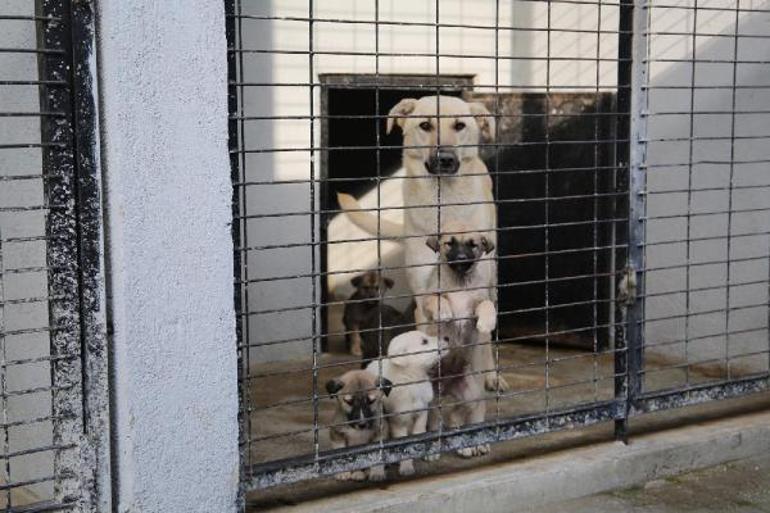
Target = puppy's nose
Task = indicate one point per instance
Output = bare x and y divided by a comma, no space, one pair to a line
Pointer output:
443,162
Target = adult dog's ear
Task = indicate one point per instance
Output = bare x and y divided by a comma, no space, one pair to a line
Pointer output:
397,113
432,243
487,244
385,385
333,386
388,283
485,120
356,280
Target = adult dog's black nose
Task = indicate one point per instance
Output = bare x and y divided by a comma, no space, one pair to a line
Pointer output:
443,162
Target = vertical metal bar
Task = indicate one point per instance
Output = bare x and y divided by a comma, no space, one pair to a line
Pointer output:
595,226
730,188
4,384
314,278
238,257
496,339
631,79
546,206
97,485
62,249
380,347
689,195
439,403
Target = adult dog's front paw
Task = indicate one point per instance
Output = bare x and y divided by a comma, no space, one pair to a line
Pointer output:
494,382
356,475
470,452
486,324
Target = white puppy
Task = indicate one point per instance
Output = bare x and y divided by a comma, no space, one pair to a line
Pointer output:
411,356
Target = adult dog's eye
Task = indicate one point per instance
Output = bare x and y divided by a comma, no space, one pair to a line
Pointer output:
472,243
459,125
425,125
425,341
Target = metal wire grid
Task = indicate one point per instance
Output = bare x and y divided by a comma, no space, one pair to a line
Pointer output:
704,154
284,409
44,239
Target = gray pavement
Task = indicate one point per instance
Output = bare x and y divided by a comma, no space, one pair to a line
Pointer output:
739,487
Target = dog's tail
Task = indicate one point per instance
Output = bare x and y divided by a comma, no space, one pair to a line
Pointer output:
367,221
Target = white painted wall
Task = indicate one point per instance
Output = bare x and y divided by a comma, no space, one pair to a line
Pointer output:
164,101
707,330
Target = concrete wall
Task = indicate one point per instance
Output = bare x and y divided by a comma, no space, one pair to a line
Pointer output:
164,102
711,173
18,284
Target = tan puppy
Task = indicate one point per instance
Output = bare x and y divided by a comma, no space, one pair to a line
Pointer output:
357,419
446,180
411,356
465,286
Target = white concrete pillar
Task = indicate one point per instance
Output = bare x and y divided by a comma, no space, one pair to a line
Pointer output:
163,94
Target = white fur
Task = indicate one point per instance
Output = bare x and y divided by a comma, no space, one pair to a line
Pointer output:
411,355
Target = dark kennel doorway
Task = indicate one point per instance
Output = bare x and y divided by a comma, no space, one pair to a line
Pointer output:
553,169
353,111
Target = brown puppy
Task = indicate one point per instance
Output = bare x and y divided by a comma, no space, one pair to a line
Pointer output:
465,279
357,418
380,326
369,287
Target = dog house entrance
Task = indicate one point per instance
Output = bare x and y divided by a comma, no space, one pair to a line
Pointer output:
360,156
556,201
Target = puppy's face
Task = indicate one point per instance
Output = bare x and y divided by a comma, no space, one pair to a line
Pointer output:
441,132
358,396
370,284
461,251
416,349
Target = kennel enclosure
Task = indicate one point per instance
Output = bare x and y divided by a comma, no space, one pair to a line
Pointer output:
628,181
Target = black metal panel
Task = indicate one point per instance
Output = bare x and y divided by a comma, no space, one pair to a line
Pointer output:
61,166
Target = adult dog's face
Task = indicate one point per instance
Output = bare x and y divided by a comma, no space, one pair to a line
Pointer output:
461,251
441,132
358,394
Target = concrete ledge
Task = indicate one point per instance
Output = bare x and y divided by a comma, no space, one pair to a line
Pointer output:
564,475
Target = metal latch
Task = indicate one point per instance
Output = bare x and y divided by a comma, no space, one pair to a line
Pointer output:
627,287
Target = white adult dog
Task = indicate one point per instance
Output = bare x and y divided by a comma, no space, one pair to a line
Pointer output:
446,182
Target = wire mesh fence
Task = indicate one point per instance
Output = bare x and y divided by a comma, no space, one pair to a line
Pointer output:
459,223
49,298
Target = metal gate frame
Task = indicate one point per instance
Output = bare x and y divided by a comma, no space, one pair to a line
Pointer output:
66,49
630,399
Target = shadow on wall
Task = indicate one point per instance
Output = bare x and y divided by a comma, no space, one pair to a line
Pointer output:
668,171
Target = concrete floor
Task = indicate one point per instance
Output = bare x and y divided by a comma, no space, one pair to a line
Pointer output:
739,487
282,411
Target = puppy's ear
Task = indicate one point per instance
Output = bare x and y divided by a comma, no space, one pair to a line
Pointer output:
356,281
432,243
333,386
487,244
385,385
485,120
388,283
402,108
